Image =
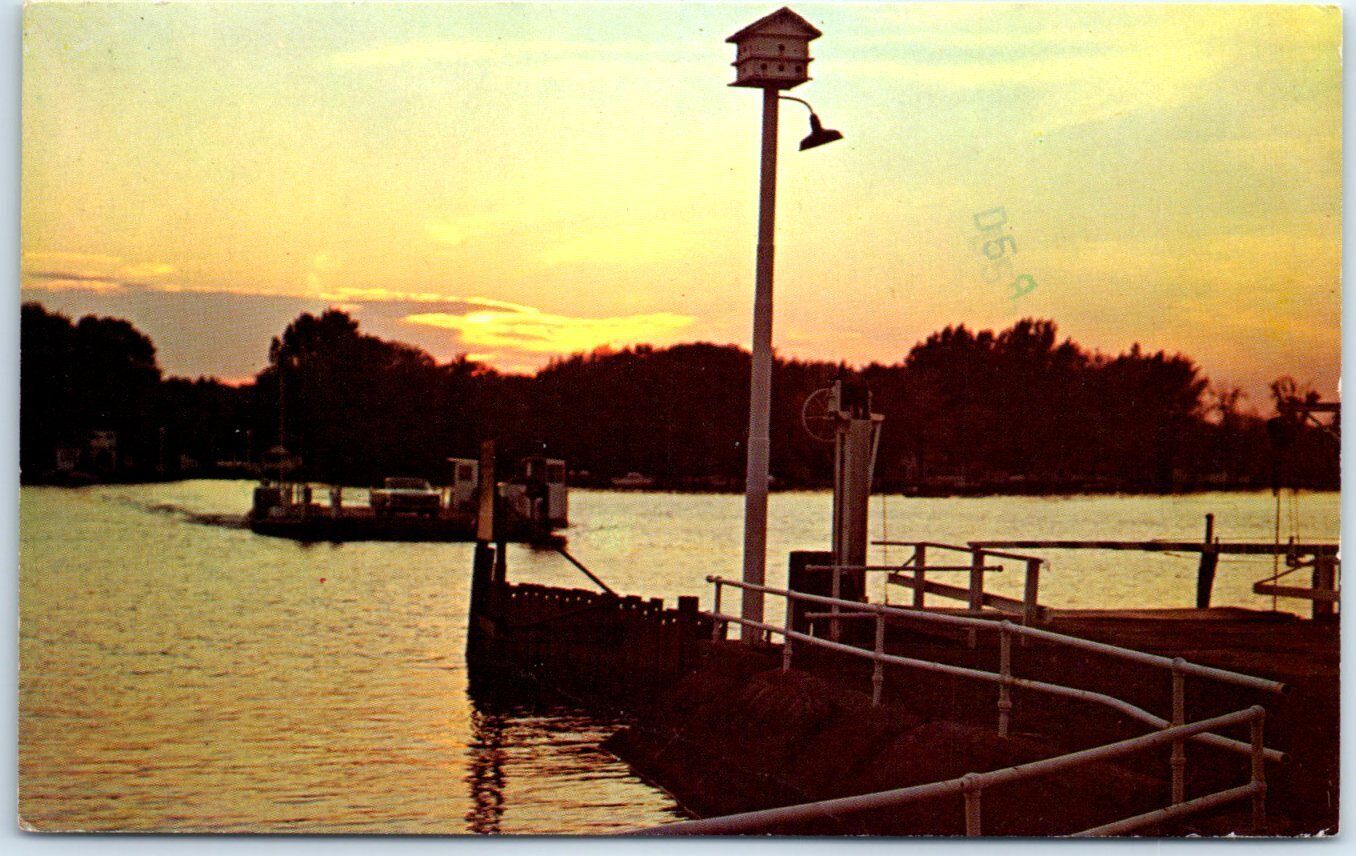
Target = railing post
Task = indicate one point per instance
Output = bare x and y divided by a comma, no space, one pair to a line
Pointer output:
786,634
1005,671
976,580
920,564
1259,797
717,626
1178,760
1030,604
972,804
878,671
837,590
976,590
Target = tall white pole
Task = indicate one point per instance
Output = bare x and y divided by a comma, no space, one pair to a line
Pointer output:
760,380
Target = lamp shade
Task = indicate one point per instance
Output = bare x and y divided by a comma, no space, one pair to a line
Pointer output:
819,135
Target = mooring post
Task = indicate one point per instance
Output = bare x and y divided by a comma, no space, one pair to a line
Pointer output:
1178,759
1205,574
482,571
500,548
1005,673
1259,774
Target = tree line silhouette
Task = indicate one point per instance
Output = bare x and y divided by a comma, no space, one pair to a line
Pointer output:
1016,410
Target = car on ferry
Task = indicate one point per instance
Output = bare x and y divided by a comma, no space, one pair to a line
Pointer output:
404,495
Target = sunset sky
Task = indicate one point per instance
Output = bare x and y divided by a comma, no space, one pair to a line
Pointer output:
516,182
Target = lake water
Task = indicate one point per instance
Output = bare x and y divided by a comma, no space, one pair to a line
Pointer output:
182,676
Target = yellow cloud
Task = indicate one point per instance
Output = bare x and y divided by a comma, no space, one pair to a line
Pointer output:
525,328
148,269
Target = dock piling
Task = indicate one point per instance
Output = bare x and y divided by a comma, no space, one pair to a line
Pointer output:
1205,573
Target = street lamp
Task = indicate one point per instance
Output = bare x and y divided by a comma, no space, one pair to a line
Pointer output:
771,54
819,135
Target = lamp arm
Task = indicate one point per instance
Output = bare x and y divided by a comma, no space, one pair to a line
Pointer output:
798,101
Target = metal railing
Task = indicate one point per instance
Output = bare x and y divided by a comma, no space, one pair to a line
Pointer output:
971,787
974,595
1179,668
1175,732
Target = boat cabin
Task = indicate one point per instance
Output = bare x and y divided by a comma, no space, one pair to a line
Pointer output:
537,492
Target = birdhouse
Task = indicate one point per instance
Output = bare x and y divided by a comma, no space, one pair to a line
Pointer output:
774,52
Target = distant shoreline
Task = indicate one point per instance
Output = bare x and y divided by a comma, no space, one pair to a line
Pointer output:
80,480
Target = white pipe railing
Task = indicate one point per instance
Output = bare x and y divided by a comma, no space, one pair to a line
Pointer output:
972,785
1177,666
974,595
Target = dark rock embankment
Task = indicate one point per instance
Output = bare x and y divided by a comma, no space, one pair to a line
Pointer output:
719,725
738,734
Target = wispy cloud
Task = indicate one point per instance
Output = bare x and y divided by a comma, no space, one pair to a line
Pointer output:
494,324
511,336
64,271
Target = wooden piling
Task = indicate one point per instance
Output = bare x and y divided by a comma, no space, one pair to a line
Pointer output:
1205,573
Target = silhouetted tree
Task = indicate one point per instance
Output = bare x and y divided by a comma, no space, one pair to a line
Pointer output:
1016,409
98,374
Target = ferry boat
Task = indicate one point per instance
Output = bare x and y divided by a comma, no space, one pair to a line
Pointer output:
533,504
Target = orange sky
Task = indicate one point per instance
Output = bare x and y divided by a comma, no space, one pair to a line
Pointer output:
518,181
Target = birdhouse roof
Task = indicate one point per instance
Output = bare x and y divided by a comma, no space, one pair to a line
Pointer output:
781,22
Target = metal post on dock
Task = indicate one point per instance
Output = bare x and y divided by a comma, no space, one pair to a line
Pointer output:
786,635
1205,574
1030,594
717,626
976,580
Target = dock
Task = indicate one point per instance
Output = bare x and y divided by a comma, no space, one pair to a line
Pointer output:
824,724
